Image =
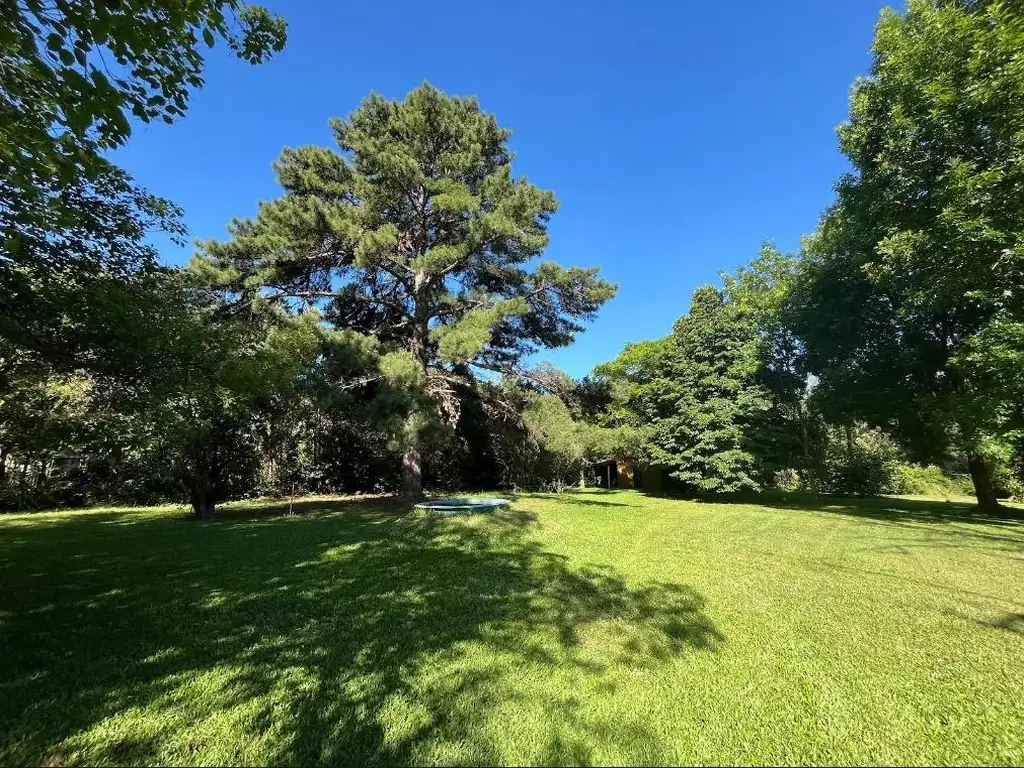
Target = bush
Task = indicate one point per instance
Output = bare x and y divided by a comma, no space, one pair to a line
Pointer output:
787,480
861,462
1007,481
929,481
861,474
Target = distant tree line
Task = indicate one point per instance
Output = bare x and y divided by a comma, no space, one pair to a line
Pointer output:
369,330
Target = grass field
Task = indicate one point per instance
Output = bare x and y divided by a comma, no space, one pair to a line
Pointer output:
600,627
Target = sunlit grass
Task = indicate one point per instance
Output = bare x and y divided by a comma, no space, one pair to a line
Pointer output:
581,628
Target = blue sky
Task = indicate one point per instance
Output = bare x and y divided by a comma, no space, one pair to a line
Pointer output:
677,136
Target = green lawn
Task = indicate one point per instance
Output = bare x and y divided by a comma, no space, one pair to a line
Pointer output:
584,628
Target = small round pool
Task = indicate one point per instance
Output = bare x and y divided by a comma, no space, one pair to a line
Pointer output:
461,506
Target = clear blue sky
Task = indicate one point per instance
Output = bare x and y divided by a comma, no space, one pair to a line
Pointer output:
676,135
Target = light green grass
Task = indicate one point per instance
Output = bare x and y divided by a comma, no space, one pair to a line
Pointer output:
603,627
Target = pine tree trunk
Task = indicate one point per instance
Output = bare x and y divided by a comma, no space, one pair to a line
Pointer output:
412,473
412,461
983,489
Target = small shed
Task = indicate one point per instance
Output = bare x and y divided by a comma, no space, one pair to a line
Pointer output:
624,473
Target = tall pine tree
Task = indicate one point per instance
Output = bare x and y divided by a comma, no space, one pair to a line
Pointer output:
418,234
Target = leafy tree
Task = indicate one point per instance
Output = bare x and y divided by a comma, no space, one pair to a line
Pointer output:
418,234
910,302
208,374
550,423
634,380
75,282
42,416
72,225
236,367
859,461
593,398
569,444
706,439
790,433
695,396
60,102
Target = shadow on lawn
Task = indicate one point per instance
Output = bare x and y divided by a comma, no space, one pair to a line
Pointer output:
948,523
584,499
352,633
1011,622
894,510
882,508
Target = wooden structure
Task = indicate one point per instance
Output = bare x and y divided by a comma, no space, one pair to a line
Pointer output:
622,473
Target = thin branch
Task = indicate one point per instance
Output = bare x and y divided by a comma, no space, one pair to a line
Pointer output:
513,371
361,382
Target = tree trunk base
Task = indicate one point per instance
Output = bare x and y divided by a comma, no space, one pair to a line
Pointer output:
412,475
203,504
983,489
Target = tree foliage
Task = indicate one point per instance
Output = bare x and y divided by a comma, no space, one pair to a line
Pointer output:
374,324
73,225
910,303
696,395
74,74
418,234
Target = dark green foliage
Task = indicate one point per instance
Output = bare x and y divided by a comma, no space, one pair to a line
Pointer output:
696,397
293,429
789,434
592,397
859,462
336,342
41,417
467,460
61,105
190,410
706,440
930,481
75,281
910,301
72,225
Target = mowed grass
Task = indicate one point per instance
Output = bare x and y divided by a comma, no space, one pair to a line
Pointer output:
599,627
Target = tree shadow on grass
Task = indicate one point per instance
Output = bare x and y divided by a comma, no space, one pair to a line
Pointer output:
1010,622
955,519
887,508
572,498
945,523
350,633
382,504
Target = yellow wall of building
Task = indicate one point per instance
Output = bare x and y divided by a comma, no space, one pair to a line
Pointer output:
625,472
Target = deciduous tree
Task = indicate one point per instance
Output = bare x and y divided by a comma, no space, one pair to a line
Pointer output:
696,397
912,299
73,75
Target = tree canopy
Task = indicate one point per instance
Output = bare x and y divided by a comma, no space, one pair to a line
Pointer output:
910,300
73,76
418,233
375,326
696,396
